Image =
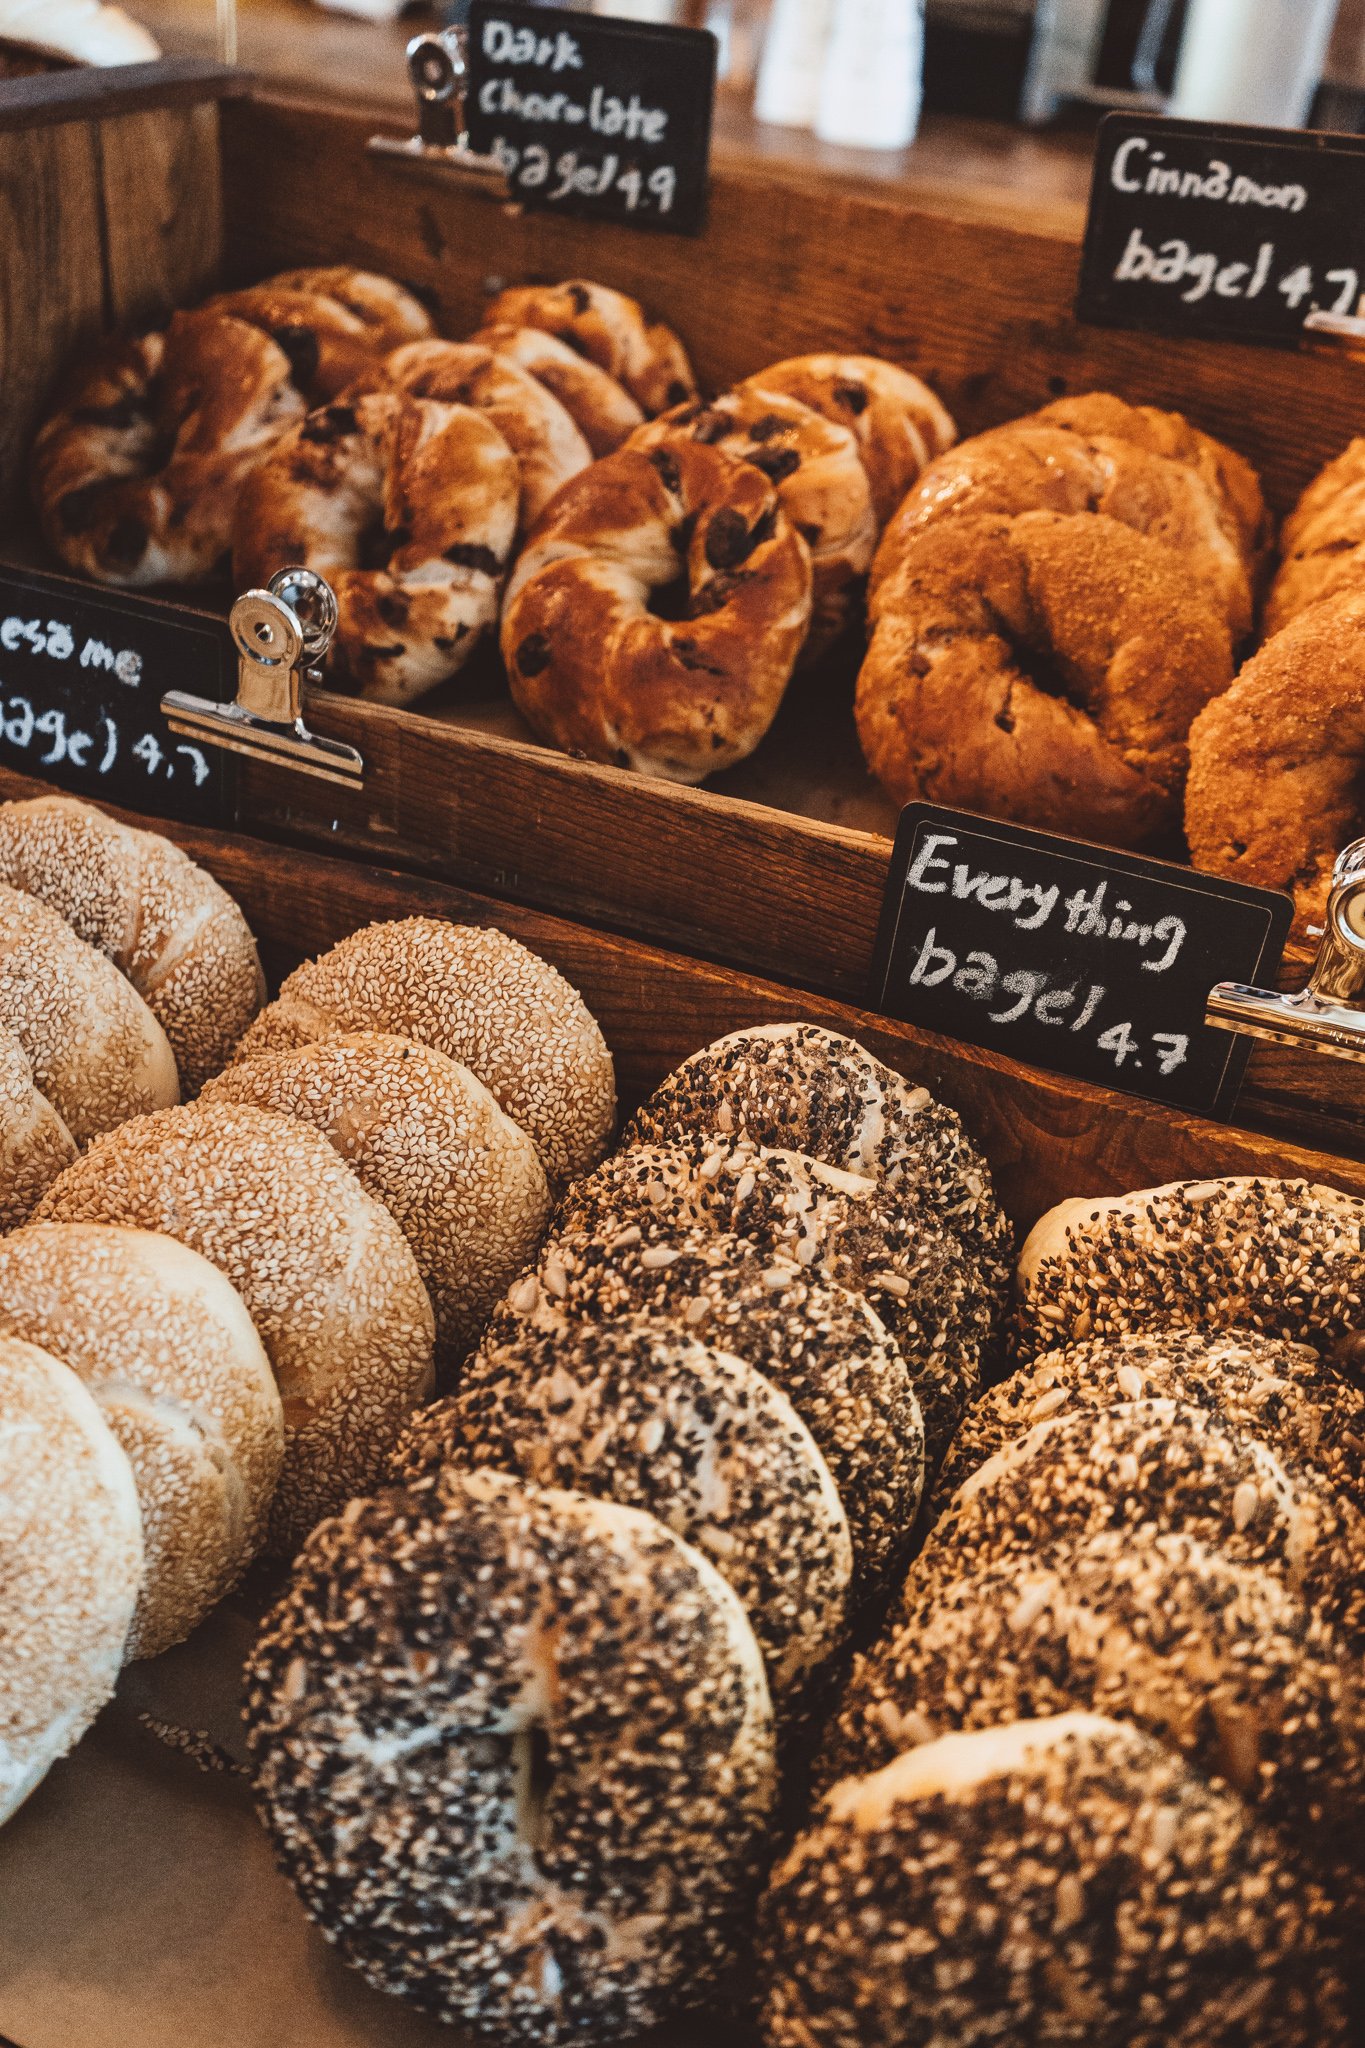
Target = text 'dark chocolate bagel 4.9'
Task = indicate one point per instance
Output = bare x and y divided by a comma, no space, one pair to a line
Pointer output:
657,612
1045,668
409,509
332,324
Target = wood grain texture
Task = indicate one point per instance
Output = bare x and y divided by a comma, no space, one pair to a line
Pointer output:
163,222
1047,1137
53,98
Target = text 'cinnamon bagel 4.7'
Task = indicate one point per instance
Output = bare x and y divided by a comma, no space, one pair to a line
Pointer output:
657,612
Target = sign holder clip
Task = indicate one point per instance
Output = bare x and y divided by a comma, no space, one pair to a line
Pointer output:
438,65
1329,1015
281,634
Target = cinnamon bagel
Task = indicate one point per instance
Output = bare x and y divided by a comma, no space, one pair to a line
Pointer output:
329,342
819,478
898,423
1030,468
603,410
611,330
409,509
137,470
1322,543
1276,761
656,615
1043,668
539,431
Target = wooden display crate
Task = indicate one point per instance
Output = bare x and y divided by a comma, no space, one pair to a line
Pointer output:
782,865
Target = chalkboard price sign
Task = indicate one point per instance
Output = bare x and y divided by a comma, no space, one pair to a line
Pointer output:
1070,956
1243,233
594,116
81,676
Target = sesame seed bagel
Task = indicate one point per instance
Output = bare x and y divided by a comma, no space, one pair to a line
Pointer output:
609,329
820,482
800,1088
35,1145
463,1182
479,998
1284,1393
1066,1880
649,1417
409,509
163,921
656,612
603,410
96,1051
1284,1257
70,1564
1046,668
165,1345
897,421
515,1753
333,324
1217,1660
824,1347
834,1224
1322,542
1153,1466
325,1272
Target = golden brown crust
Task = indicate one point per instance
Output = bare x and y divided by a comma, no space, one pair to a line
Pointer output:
608,328
897,421
948,707
603,410
432,491
1322,543
1276,762
597,660
334,324
137,470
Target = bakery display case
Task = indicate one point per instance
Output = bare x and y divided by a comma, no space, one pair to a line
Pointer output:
555,1087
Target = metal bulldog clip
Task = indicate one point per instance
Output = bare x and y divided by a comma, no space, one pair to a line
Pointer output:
439,69
281,635
1329,1015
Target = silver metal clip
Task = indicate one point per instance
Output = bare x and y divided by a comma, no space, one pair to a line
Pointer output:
281,634
1329,1015
438,65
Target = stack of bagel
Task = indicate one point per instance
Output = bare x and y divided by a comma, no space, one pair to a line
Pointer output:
227,1308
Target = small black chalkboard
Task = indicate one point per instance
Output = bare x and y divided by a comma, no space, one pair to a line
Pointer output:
81,676
1243,233
1071,956
606,118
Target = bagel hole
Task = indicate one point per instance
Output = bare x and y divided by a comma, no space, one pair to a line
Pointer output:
671,601
535,1775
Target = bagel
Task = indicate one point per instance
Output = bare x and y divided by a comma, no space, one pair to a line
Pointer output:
655,616
532,1726
897,421
610,330
35,1145
1030,468
409,509
163,921
70,1564
137,470
96,1051
1044,668
543,437
165,1345
1170,434
820,482
603,410
479,998
1322,543
324,1271
333,324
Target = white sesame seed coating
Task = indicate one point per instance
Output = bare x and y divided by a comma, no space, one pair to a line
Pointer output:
821,1344
163,921
464,1184
35,1144
641,1414
97,1052
165,1345
325,1272
1052,1882
70,1563
515,1752
481,999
